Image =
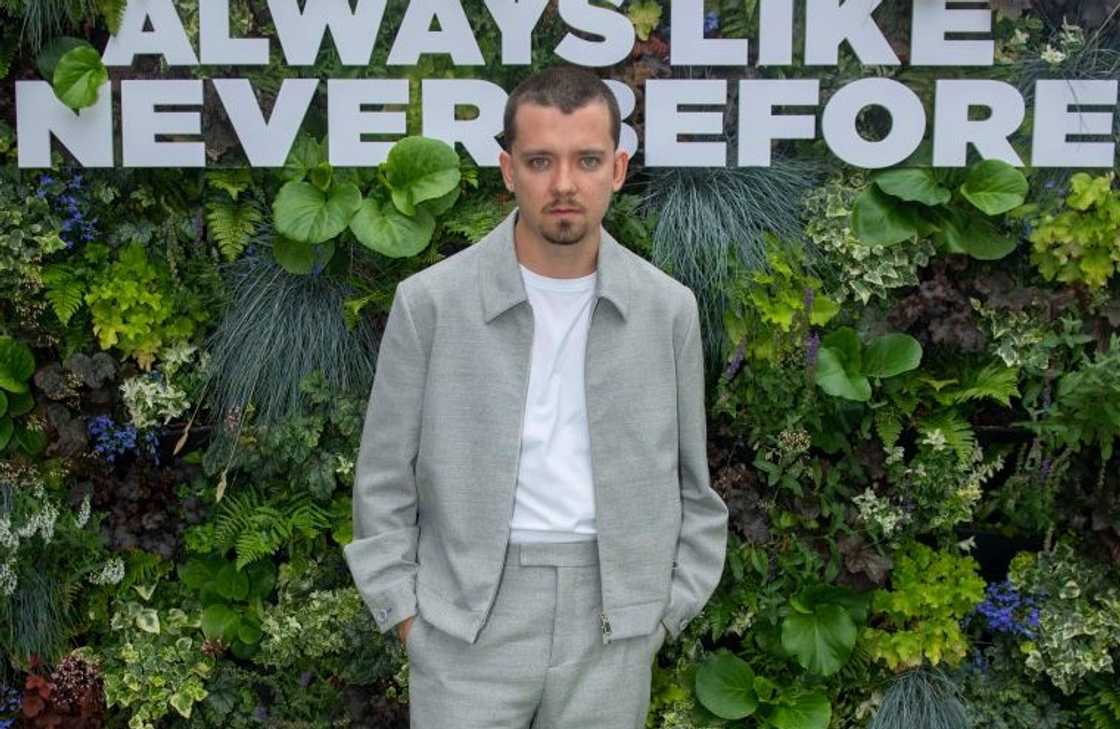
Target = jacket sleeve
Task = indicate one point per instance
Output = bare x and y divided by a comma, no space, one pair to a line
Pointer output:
702,545
382,555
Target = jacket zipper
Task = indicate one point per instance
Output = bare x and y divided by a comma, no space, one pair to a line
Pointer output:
604,623
517,464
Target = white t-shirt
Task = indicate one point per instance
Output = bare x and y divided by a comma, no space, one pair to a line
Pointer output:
554,501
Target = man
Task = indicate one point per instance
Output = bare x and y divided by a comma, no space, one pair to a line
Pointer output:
532,508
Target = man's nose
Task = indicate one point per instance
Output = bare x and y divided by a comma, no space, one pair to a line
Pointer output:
564,181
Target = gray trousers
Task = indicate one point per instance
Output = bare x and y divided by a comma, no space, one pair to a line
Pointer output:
539,661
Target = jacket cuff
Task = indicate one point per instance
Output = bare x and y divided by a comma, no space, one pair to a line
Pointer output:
675,621
393,605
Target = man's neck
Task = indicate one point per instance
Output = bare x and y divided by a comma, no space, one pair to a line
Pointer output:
554,260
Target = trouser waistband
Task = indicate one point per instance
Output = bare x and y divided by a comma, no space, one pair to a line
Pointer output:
559,554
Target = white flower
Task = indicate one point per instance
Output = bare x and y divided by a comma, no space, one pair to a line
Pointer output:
83,512
1052,55
110,573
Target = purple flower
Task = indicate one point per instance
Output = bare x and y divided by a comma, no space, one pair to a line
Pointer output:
812,346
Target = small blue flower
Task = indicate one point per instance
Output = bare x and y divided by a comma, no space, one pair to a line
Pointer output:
711,21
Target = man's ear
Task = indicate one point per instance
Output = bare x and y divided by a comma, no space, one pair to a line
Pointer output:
621,163
506,163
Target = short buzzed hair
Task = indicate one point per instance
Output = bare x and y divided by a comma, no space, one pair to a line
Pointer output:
565,87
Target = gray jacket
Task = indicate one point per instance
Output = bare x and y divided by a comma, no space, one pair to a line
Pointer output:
438,462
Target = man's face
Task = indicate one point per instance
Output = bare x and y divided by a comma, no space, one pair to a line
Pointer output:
563,169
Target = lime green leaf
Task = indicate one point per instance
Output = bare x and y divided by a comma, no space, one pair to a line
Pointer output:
78,76
644,15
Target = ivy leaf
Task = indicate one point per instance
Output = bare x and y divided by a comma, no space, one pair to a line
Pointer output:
78,76
381,227
307,214
994,186
725,686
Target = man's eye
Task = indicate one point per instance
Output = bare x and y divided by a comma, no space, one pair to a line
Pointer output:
590,161
538,163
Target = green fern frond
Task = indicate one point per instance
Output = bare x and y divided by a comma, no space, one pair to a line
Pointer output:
1101,709
957,431
253,546
233,181
113,12
65,291
889,427
232,225
992,382
235,515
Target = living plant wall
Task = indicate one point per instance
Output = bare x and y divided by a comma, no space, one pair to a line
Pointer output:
914,400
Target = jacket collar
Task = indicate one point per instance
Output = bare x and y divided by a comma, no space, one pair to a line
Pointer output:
500,277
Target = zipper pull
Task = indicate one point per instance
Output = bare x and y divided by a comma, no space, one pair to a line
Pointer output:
604,627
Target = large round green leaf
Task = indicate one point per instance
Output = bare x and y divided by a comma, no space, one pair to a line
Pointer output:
419,169
972,233
262,578
835,380
20,403
822,640
195,573
891,354
32,442
380,226
913,184
17,364
231,583
219,621
800,709
306,214
725,686
78,76
879,219
994,186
